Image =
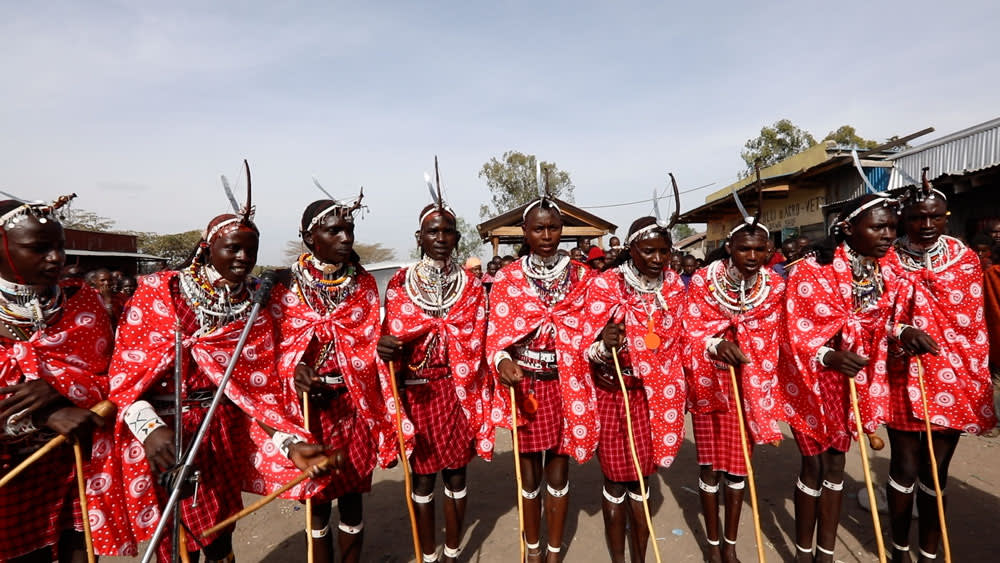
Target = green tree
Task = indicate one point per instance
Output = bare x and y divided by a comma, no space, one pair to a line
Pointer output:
176,247
512,182
681,232
86,220
846,136
776,143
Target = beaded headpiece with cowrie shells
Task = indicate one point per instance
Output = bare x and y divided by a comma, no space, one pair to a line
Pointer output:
344,208
44,212
922,193
439,206
750,222
660,226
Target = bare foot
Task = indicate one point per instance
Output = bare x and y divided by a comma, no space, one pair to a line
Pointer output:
713,554
729,554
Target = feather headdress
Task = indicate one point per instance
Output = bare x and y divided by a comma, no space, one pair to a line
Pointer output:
750,222
345,208
660,226
438,204
543,199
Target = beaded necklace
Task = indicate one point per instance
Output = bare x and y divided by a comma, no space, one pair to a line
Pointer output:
936,258
25,309
214,304
867,285
323,287
649,293
435,286
732,291
550,277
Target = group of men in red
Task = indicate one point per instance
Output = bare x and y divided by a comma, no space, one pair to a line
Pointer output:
582,362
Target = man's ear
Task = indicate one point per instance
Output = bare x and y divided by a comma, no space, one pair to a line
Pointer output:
847,229
729,248
307,239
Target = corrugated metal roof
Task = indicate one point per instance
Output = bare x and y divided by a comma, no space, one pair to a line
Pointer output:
964,151
112,254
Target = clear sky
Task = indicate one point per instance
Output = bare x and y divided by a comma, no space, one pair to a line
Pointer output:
138,107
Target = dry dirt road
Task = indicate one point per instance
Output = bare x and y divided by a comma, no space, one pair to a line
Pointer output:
274,534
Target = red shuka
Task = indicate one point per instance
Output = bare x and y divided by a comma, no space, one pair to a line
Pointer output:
661,369
515,313
71,355
354,328
948,305
464,331
820,306
143,356
769,393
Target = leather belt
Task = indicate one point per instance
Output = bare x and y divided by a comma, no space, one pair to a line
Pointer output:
536,360
331,379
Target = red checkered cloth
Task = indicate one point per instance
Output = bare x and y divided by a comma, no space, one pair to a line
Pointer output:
835,400
218,495
37,505
543,430
339,426
443,438
717,440
613,450
901,404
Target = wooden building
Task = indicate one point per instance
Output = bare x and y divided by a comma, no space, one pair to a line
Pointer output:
506,227
114,251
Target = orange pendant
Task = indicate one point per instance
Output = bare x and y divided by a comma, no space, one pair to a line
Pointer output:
530,404
652,340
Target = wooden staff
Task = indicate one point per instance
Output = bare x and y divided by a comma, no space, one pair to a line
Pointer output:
103,409
934,467
309,502
81,484
517,472
407,480
182,543
635,455
868,476
746,459
336,458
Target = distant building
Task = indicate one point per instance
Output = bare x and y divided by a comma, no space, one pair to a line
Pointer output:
506,227
114,251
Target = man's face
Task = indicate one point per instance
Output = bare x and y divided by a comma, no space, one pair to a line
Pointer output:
872,234
234,254
332,239
35,252
576,254
542,230
688,265
790,248
926,221
675,263
438,237
994,232
748,251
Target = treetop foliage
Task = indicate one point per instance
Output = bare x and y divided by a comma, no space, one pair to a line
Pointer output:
512,182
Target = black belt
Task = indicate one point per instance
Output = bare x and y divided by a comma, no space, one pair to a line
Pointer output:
546,375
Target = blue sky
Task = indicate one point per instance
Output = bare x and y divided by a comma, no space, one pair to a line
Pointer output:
138,107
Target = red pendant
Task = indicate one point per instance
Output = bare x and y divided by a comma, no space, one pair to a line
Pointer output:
530,404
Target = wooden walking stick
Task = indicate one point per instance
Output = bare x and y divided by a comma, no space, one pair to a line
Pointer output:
746,459
868,476
635,454
407,479
309,503
336,459
81,483
934,467
517,472
103,409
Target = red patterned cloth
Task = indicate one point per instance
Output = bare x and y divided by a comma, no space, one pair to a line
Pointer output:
516,313
947,305
143,364
353,328
717,441
339,425
72,355
442,416
661,370
541,430
769,393
614,451
821,312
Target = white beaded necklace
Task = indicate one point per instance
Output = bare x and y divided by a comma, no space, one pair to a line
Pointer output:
435,286
936,258
29,306
730,288
642,284
544,269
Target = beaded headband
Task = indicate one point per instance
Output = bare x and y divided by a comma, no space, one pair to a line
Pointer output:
543,195
750,222
925,192
41,211
660,226
243,214
439,205
345,208
881,199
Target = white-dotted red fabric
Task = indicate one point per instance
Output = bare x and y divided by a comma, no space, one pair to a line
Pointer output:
948,306
515,313
353,327
661,369
820,309
71,355
769,393
463,330
144,355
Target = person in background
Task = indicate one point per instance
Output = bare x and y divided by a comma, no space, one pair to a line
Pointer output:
507,260
73,272
790,251
991,307
689,264
595,258
576,254
675,262
584,244
614,243
128,287
492,267
611,255
475,266
982,244
103,281
805,245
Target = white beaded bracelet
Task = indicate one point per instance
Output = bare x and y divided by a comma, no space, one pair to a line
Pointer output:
142,420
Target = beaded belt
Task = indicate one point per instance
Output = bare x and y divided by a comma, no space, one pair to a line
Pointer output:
536,360
332,379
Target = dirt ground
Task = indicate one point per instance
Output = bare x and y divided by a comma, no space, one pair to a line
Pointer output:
274,534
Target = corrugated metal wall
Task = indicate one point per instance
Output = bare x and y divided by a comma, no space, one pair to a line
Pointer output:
964,151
